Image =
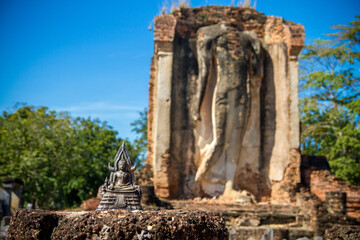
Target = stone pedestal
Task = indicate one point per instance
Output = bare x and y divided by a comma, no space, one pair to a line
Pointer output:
117,224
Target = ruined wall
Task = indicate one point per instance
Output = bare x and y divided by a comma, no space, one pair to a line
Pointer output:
322,182
223,104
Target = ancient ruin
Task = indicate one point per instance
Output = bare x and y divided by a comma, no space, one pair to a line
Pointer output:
223,126
119,192
223,145
223,104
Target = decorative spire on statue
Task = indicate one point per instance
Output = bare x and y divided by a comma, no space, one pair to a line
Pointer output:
122,171
119,192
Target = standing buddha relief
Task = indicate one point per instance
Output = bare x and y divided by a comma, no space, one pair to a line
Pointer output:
230,74
223,114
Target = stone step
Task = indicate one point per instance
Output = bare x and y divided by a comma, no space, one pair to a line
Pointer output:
269,232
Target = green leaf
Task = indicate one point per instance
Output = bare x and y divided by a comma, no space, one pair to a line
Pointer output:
330,101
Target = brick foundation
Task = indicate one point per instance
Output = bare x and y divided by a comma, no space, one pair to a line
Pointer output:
322,182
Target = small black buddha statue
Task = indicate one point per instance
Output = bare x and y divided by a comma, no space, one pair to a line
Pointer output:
119,191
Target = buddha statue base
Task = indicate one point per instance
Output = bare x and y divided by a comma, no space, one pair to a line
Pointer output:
121,198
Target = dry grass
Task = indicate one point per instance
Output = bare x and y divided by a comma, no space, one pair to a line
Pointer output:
175,5
247,4
178,4
184,3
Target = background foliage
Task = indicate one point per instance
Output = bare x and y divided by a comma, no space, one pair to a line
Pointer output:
140,126
330,100
62,160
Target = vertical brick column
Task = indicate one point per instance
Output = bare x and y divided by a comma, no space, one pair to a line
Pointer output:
161,97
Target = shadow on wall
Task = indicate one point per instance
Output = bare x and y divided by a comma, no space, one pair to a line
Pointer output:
268,124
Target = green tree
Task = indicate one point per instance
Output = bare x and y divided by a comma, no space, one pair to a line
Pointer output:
330,101
61,160
140,126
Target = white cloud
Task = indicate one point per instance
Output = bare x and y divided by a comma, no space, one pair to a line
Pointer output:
117,116
97,107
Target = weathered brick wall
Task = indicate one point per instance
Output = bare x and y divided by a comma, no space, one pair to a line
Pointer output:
183,25
322,182
164,28
271,29
310,164
285,191
151,113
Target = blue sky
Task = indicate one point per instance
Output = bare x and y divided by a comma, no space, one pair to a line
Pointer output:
92,58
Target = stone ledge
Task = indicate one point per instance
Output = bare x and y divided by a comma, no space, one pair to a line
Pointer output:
117,224
338,231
